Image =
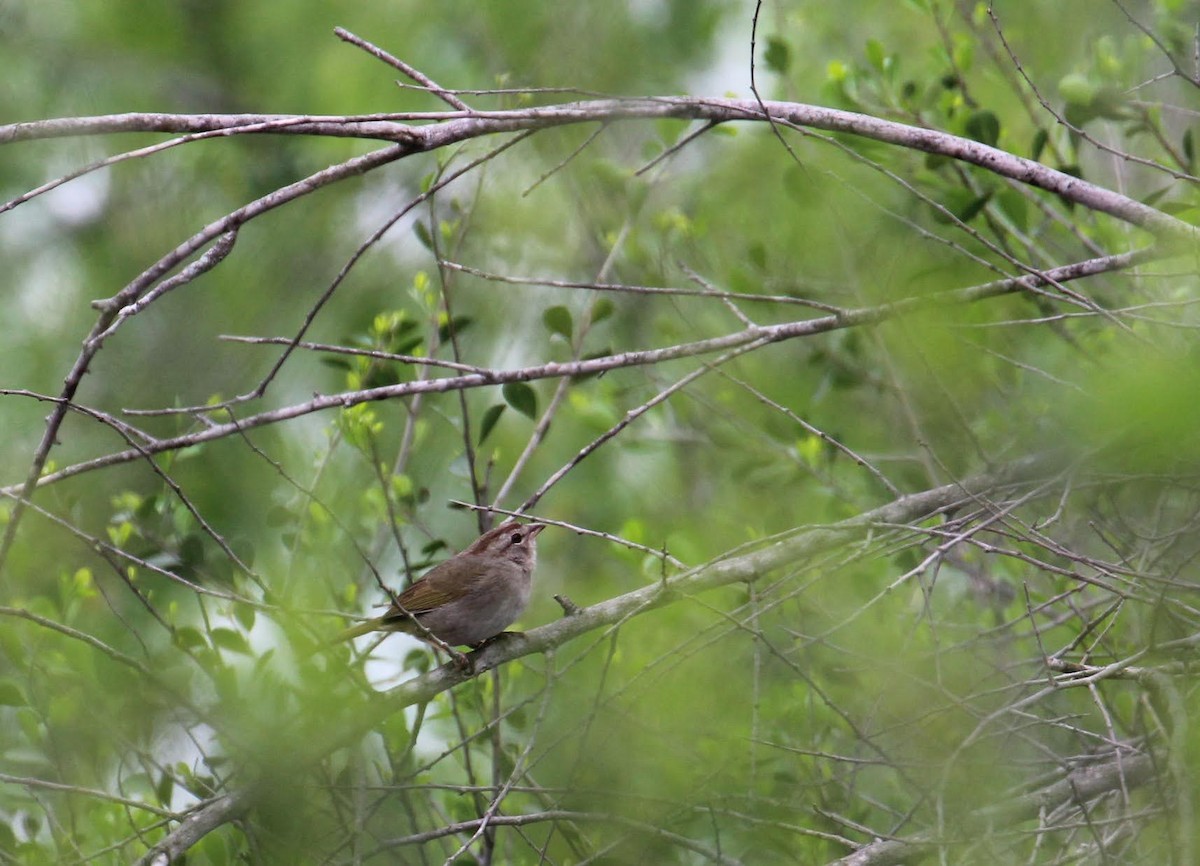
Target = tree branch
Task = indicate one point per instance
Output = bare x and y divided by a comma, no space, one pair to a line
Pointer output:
753,334
1078,787
454,127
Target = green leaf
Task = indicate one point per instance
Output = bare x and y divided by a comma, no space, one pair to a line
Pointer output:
191,551
164,788
521,397
1109,104
756,254
1189,150
455,326
602,309
228,639
187,637
984,126
963,204
778,56
490,417
558,321
11,694
876,55
422,232
972,208
1153,198
797,183
1040,139
244,614
1015,207
1077,89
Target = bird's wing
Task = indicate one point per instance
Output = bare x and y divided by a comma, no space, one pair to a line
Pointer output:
439,586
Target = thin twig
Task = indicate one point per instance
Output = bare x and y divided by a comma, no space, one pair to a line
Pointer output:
416,75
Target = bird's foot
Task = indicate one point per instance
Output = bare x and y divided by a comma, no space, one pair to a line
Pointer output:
462,661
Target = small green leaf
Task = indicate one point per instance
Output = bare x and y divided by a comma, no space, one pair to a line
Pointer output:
973,207
187,637
490,417
1189,149
422,232
1077,89
778,56
521,397
963,204
558,321
11,694
146,508
876,55
191,551
164,788
1040,139
756,253
797,183
402,486
244,614
455,326
984,126
602,309
1015,207
1109,103
228,639
417,660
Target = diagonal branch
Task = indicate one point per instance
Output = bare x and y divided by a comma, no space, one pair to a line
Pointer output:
219,234
754,334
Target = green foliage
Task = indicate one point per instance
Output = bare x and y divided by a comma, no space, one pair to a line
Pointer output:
167,616
521,397
558,321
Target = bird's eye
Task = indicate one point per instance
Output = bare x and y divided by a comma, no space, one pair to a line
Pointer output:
516,539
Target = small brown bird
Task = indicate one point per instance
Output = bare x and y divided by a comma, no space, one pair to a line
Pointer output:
472,596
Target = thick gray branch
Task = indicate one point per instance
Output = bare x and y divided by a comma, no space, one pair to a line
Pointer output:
453,127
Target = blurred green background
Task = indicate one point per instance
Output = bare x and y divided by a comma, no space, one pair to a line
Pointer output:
762,723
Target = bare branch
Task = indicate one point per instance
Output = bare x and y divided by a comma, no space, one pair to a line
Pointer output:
757,335
453,127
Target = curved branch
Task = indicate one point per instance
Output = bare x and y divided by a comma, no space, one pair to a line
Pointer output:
195,827
456,126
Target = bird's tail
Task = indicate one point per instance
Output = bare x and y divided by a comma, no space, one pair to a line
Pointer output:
357,630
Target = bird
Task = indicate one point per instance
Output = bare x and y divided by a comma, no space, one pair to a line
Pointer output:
471,597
